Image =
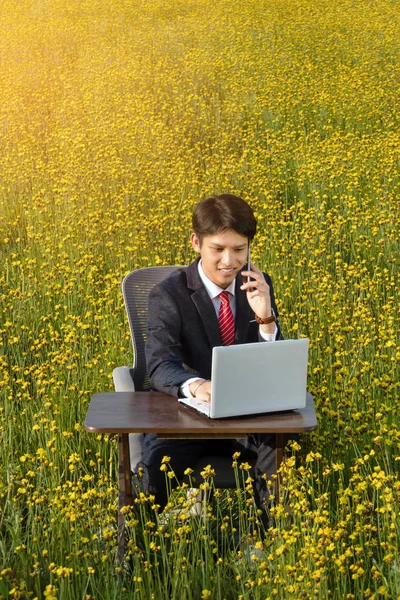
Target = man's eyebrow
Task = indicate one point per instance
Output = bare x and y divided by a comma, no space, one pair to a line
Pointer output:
214,245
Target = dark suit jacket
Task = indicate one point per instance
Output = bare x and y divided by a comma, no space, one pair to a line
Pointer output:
183,328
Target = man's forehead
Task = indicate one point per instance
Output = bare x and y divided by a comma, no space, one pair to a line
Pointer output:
226,238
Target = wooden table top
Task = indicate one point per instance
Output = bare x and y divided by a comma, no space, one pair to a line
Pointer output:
156,412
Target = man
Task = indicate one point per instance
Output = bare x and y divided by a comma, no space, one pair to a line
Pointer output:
209,303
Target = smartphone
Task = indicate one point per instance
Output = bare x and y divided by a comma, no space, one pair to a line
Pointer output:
248,263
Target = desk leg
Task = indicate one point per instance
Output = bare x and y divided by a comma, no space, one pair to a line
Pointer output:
279,458
125,489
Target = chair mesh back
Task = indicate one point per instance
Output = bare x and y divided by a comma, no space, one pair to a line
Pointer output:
135,288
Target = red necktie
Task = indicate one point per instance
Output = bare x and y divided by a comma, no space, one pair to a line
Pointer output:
226,320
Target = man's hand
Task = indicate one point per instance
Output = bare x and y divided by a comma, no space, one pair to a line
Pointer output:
259,296
203,392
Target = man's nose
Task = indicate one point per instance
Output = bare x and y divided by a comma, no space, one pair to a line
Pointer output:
227,257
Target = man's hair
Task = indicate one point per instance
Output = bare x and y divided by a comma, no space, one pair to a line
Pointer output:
219,213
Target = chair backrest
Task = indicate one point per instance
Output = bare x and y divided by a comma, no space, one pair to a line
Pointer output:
135,288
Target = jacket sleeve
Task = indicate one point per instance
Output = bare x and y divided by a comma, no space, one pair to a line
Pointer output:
268,279
163,348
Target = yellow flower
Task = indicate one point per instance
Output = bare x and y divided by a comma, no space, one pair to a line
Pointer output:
245,466
208,471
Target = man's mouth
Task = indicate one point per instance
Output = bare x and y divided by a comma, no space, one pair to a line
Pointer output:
227,271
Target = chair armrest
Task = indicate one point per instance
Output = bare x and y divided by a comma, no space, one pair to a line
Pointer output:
123,379
123,382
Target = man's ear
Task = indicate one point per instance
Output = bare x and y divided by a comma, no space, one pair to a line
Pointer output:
195,242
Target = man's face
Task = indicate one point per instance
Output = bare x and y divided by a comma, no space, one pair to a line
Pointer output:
222,255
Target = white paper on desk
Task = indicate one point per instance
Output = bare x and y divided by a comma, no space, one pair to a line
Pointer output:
202,407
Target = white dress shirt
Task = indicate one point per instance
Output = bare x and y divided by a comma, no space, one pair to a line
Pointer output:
214,291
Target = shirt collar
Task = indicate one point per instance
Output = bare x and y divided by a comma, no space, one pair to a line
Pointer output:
212,288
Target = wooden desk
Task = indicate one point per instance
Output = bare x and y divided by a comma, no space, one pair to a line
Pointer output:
156,412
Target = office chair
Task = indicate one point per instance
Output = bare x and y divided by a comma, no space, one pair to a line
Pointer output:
135,288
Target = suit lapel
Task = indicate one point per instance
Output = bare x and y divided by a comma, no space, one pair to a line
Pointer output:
204,304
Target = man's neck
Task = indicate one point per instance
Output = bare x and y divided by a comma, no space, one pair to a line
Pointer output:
212,288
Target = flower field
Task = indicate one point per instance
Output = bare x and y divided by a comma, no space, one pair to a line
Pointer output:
115,119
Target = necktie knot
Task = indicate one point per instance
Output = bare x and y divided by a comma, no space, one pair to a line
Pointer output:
226,320
224,297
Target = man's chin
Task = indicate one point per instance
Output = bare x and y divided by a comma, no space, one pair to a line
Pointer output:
226,278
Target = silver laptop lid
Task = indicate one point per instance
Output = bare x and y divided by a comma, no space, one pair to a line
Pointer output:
257,378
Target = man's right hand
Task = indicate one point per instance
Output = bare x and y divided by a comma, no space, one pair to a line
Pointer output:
203,392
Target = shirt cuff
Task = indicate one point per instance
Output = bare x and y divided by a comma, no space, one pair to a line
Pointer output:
184,389
269,337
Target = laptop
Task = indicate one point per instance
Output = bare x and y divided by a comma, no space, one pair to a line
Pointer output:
256,378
